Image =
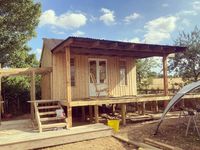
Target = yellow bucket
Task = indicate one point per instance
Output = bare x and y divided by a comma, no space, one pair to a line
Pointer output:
114,124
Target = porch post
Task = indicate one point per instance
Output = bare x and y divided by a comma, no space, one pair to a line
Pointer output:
96,113
32,93
68,87
165,78
123,113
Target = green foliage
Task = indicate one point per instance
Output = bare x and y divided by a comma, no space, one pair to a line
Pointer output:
18,20
145,73
187,64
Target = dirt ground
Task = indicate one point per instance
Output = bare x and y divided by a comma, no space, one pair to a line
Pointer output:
108,143
172,132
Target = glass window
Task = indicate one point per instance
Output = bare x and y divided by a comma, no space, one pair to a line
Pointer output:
123,72
102,71
93,73
72,69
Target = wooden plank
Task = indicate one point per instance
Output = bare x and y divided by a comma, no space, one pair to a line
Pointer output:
96,113
52,118
160,145
47,113
123,113
137,144
46,101
28,140
54,125
48,107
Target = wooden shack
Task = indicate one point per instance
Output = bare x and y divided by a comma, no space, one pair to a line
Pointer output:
85,69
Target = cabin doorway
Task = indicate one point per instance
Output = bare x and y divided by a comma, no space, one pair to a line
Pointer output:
98,76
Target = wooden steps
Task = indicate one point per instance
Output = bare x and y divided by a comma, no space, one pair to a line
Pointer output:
47,113
46,116
54,125
52,118
48,107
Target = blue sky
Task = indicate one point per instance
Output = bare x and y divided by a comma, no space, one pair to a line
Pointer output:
147,21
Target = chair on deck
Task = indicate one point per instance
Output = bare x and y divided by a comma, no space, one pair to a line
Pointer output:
192,117
98,90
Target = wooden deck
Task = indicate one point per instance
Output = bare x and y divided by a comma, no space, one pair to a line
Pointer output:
122,100
18,135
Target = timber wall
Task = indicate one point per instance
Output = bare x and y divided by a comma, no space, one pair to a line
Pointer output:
81,88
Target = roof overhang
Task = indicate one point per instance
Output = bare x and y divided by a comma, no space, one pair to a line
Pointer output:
79,45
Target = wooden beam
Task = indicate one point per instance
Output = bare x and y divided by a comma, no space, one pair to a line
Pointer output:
96,113
123,113
24,71
68,88
136,143
32,93
165,78
114,52
160,145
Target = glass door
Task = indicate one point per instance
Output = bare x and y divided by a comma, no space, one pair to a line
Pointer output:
98,76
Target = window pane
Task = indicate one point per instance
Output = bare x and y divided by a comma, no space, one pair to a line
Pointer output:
102,71
93,75
123,73
72,70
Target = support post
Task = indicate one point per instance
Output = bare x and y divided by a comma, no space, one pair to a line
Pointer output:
32,93
83,113
90,113
96,113
156,107
143,108
123,113
68,87
165,78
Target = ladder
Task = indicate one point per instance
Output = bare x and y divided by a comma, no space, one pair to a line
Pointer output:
46,116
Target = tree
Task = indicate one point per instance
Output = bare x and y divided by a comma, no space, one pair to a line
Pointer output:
187,64
18,20
145,72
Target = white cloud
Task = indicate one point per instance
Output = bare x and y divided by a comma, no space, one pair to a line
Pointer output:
108,16
37,52
187,13
68,20
133,40
159,29
78,33
131,17
165,5
196,5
